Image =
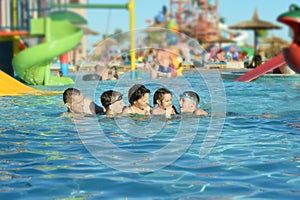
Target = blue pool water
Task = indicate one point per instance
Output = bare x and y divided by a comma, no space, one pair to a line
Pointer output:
251,153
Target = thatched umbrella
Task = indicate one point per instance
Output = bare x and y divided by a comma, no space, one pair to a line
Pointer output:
155,28
247,45
219,39
106,42
275,42
88,31
103,45
274,39
255,24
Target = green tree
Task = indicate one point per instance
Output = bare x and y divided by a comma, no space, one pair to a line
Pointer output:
263,33
120,36
222,20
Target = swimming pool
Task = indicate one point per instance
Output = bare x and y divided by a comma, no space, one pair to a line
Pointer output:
256,152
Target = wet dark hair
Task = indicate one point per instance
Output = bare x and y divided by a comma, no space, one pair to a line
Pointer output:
158,95
136,92
108,97
67,95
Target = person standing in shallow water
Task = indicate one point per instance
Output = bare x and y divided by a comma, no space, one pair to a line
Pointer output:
112,102
162,68
138,97
76,103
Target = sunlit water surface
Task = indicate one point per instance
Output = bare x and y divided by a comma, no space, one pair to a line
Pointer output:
257,154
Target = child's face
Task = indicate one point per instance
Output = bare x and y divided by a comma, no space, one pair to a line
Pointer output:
166,102
187,105
117,106
143,102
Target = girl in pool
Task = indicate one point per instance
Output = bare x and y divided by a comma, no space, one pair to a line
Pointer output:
112,102
189,101
162,101
138,97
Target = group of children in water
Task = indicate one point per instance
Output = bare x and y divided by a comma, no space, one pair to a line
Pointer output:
138,97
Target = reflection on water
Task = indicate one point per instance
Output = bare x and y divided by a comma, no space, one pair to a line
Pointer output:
45,155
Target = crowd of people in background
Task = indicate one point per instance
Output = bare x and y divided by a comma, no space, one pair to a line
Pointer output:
223,56
165,63
160,62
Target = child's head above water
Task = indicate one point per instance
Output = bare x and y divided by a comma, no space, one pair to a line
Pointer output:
191,95
109,97
162,95
189,101
136,92
112,101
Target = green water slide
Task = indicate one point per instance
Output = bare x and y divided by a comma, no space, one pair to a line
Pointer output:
33,64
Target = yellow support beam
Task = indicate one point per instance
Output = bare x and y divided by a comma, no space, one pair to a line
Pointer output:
15,13
132,38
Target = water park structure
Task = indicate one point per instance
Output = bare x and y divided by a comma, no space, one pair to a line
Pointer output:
56,37
290,55
200,20
54,26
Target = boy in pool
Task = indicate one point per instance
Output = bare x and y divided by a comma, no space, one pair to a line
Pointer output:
112,102
138,97
76,103
189,101
162,101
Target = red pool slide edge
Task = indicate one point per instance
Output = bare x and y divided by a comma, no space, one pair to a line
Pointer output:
271,64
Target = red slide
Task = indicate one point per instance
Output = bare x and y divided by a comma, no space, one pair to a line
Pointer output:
275,62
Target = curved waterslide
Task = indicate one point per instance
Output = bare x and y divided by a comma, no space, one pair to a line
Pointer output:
9,86
33,64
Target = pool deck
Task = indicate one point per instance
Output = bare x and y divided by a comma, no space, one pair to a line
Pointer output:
230,73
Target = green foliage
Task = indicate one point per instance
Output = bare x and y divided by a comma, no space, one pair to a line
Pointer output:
193,2
222,20
262,33
153,38
119,36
